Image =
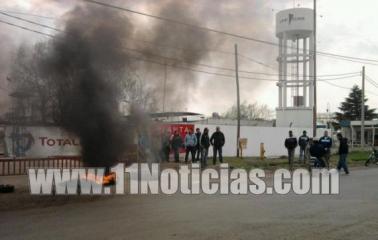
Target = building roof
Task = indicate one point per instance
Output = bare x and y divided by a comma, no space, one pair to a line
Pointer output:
173,114
358,123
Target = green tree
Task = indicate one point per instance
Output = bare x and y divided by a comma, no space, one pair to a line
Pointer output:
350,109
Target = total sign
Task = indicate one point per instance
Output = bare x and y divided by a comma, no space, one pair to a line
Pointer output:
40,142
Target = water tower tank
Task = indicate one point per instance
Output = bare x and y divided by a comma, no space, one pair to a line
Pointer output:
294,30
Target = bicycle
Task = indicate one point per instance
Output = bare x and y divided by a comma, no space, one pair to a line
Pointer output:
373,157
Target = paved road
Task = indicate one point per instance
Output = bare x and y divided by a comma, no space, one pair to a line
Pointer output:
351,215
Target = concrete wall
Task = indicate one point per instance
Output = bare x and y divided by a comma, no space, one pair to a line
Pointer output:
53,141
272,137
297,118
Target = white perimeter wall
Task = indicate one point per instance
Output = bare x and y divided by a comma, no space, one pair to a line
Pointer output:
53,141
272,137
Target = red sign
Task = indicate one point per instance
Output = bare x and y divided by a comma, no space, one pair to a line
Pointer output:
182,129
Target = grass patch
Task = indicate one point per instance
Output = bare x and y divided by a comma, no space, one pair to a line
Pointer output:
359,156
355,159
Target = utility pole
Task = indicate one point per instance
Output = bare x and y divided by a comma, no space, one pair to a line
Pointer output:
314,126
165,85
363,109
237,100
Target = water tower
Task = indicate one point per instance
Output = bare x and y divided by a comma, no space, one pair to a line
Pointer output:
294,29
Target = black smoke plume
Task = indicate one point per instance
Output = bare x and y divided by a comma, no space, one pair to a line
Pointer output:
88,64
183,47
84,62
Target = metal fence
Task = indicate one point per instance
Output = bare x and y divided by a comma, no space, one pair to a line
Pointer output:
20,166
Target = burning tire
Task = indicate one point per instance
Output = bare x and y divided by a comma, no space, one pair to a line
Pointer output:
6,188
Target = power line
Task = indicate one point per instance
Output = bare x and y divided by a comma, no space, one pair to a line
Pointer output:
26,14
198,64
27,29
197,70
345,75
138,40
347,88
28,21
338,78
170,58
255,61
335,85
151,61
371,81
335,56
349,60
205,50
189,68
179,22
217,74
241,71
218,31
348,57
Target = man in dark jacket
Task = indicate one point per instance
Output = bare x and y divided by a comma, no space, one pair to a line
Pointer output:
165,146
343,153
176,143
217,140
291,143
198,147
303,144
205,144
326,141
318,151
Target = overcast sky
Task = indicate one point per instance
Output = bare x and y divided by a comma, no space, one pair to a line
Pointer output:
344,27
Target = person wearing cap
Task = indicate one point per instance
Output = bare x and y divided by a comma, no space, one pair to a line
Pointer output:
326,141
343,153
303,144
291,143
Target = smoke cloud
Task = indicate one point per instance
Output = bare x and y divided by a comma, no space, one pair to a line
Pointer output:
88,62
92,58
183,47
84,63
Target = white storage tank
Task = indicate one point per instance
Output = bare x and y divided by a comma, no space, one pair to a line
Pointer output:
294,29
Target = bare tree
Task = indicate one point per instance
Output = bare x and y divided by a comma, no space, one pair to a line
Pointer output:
252,111
27,77
45,91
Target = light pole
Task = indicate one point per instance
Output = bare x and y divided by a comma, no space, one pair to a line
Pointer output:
315,90
237,100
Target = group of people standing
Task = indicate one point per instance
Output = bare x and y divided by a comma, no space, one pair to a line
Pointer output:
320,149
196,144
